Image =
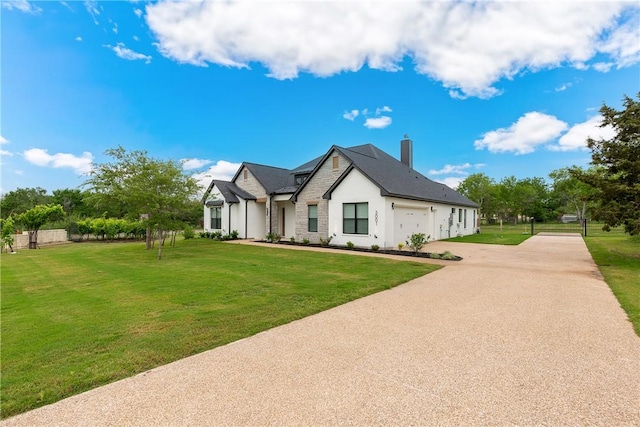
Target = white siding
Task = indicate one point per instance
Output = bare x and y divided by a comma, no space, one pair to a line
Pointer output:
356,188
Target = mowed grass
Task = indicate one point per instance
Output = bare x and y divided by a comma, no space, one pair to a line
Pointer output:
79,316
618,258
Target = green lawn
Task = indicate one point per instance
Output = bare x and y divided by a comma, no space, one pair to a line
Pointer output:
82,315
618,258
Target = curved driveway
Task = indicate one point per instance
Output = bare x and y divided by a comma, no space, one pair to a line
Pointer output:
524,335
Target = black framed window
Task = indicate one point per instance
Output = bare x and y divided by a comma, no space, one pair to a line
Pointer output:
216,218
313,218
355,218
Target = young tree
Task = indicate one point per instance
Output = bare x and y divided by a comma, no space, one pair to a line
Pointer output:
478,187
155,190
616,175
7,228
572,193
35,218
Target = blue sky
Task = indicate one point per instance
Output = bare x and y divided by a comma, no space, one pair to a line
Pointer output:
502,88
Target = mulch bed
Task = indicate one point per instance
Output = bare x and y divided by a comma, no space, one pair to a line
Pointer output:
411,254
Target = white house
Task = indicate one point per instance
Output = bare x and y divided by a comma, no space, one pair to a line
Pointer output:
359,194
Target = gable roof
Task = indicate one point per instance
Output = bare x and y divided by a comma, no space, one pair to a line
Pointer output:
230,191
393,177
271,178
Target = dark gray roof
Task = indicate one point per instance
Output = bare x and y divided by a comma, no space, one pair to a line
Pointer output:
394,178
307,167
271,178
397,179
230,191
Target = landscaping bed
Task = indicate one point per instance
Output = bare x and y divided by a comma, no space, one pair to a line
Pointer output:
447,256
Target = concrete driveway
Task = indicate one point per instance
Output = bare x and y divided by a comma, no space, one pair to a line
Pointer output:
525,335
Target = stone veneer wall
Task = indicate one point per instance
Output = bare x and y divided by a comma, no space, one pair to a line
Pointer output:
312,193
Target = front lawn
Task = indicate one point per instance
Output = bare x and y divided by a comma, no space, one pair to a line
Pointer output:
79,316
618,258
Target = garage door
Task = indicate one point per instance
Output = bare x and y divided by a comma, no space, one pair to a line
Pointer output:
409,221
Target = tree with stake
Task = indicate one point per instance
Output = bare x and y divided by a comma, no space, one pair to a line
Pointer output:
36,217
153,190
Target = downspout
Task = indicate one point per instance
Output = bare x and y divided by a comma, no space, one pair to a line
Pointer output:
229,230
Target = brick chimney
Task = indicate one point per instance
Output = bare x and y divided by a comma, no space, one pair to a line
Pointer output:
406,151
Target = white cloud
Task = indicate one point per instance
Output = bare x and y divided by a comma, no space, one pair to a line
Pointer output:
351,115
190,164
3,141
65,4
449,169
21,5
222,170
384,109
136,38
115,28
39,157
623,44
524,136
563,87
576,137
93,9
467,46
78,39
138,12
451,182
125,53
377,122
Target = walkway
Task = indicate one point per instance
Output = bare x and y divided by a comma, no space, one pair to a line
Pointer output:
526,335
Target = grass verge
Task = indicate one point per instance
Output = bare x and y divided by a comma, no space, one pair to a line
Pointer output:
78,316
618,258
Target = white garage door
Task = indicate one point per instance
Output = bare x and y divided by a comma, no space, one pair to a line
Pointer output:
409,221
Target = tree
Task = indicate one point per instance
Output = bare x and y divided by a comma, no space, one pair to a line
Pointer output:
7,228
572,193
73,201
616,172
478,187
155,190
36,217
531,196
22,199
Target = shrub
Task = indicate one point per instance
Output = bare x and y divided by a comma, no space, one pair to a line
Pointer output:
305,241
375,247
350,244
417,241
234,235
400,246
188,232
292,239
448,255
435,256
325,242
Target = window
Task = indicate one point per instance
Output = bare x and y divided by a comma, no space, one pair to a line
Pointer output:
216,218
301,178
245,174
355,218
336,162
465,218
459,215
313,218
